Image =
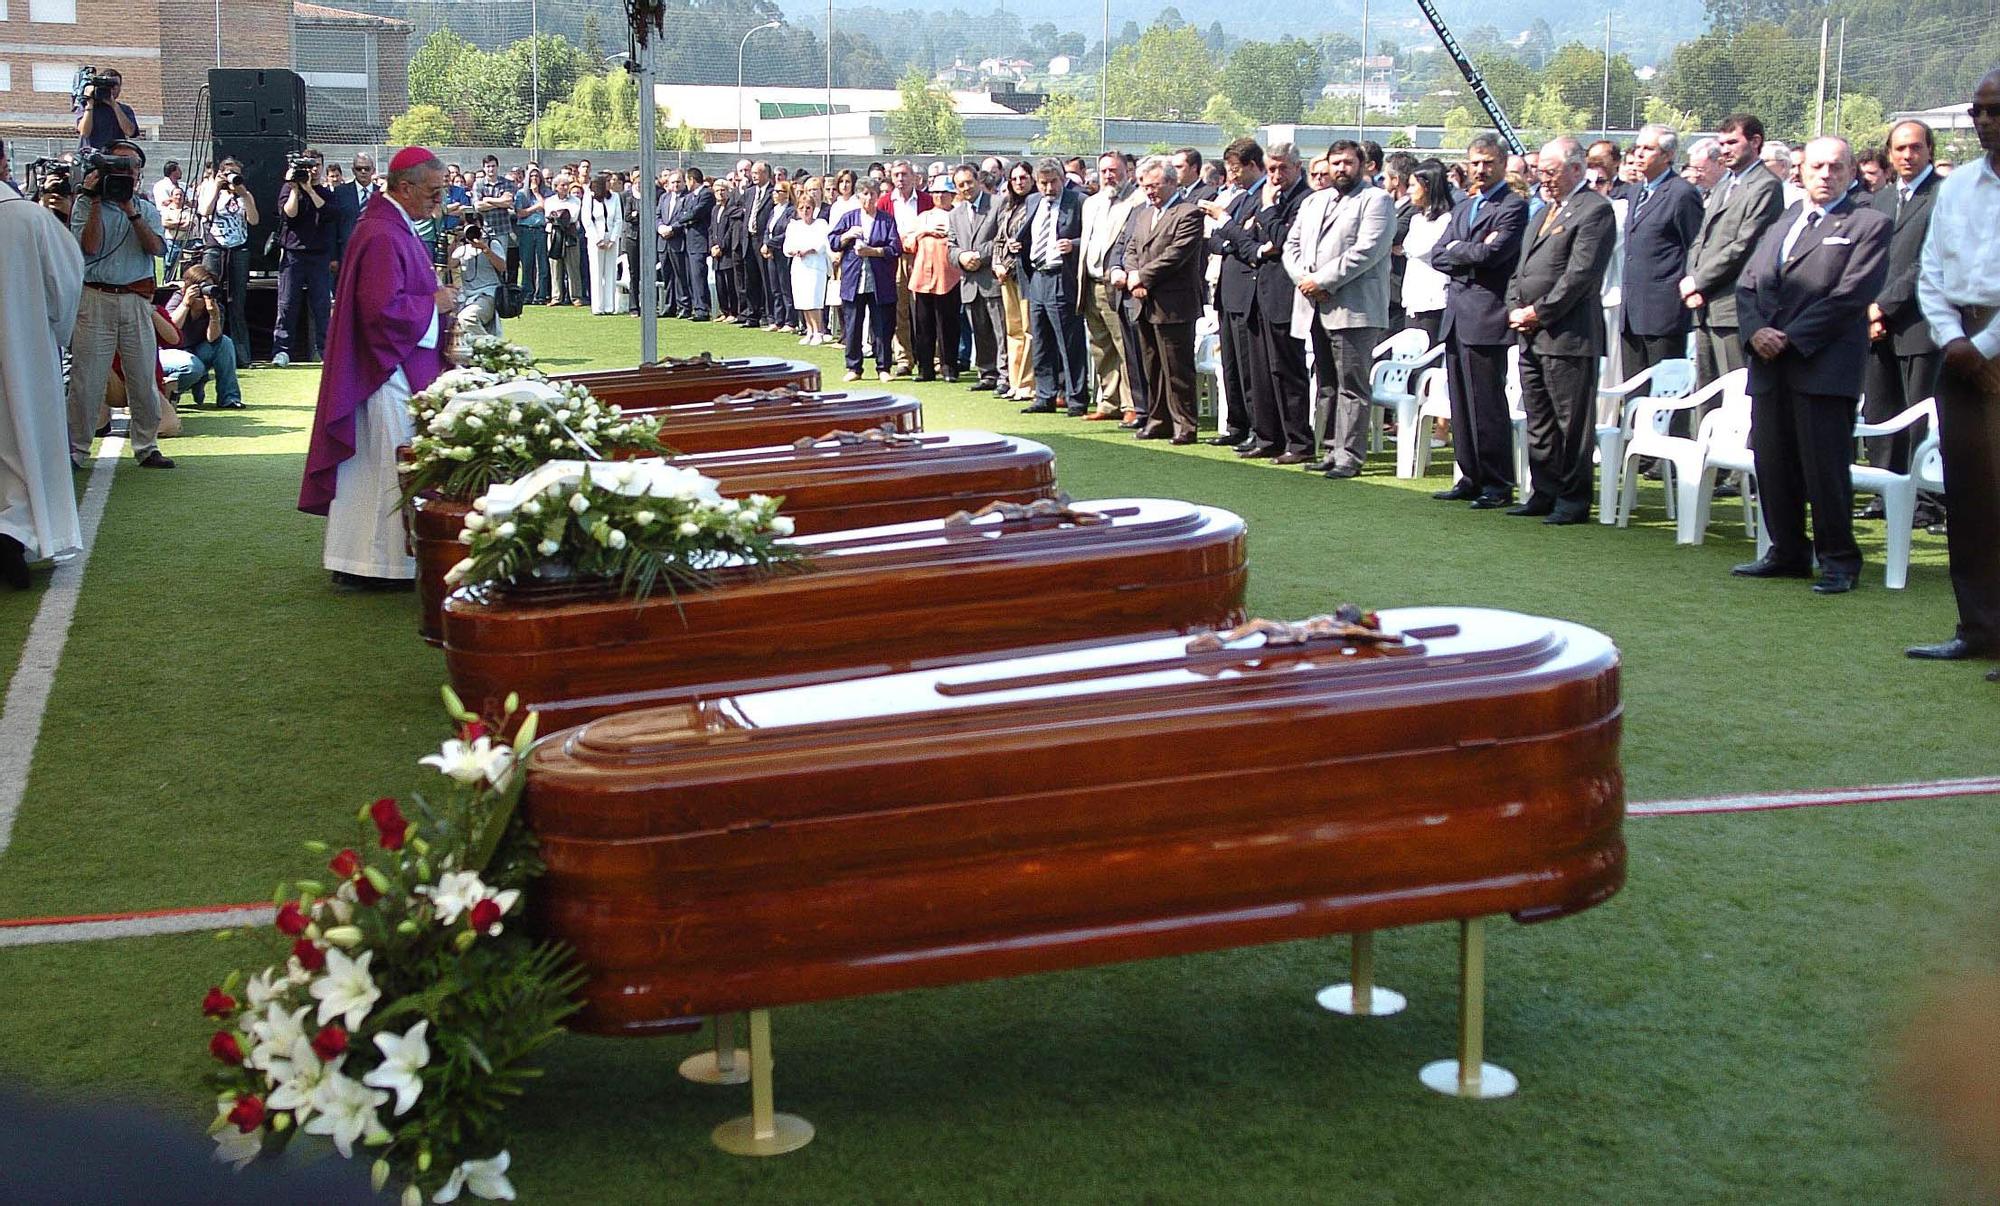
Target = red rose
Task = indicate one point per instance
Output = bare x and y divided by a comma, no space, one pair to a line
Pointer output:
248,1113
365,890
329,1042
309,955
345,864
389,822
225,1047
218,1003
291,919
484,914
471,731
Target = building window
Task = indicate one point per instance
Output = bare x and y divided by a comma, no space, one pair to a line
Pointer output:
6,69
54,77
52,12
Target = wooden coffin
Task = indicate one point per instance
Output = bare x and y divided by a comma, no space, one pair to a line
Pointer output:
1075,808
780,417
694,379
827,486
870,600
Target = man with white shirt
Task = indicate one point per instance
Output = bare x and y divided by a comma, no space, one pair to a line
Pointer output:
905,201
1104,214
382,346
1958,286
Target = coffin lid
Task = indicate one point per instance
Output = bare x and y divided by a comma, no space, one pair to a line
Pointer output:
802,400
1461,649
908,448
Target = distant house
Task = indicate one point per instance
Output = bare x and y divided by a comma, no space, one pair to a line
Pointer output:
357,71
1060,65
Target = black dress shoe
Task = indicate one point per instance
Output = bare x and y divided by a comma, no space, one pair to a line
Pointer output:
1076,412
1492,502
1038,409
983,387
1134,425
1184,440
1289,458
1836,584
1532,510
155,460
1764,567
1143,434
1462,492
1226,440
13,563
1340,473
1874,510
360,583
1321,465
1956,649
1251,452
1565,518
1727,490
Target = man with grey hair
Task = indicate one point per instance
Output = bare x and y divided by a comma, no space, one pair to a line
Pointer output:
1803,300
1704,165
1104,214
1160,271
1664,218
1050,242
1555,305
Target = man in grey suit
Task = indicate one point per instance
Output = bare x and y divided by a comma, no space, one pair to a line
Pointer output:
1903,358
1337,254
1741,206
1554,302
1804,299
974,224
1664,216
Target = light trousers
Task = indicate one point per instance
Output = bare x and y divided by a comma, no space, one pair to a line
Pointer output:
107,325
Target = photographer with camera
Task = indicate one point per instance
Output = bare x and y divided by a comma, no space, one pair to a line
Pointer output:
476,268
305,239
119,231
197,311
102,120
228,211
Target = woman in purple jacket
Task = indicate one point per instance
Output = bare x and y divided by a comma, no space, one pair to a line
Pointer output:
870,249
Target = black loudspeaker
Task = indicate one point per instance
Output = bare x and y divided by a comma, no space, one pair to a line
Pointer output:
256,103
263,171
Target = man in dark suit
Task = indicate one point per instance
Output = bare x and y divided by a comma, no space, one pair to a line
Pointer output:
1051,239
1478,252
1236,285
1186,183
1162,274
1396,175
974,225
1903,359
754,203
691,219
673,247
1740,207
1555,304
1803,301
1663,217
348,198
1280,407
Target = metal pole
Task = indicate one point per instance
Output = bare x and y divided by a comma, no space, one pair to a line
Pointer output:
1604,114
739,77
535,76
218,33
1361,102
645,274
1104,83
829,93
1819,92
1839,74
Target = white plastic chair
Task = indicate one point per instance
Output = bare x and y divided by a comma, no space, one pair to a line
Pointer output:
1211,399
1413,439
1672,378
1725,441
1898,491
1682,459
1398,359
1517,415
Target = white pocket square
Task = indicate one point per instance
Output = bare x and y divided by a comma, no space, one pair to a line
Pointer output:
1837,241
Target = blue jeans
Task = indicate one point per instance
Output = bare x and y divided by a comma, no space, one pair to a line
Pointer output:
218,358
534,265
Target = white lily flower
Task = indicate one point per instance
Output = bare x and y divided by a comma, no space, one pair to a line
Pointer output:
346,1112
235,1148
616,538
296,974
690,528
548,548
781,525
456,892
485,1178
262,989
277,1032
295,1093
346,991
470,762
505,531
402,1059
578,503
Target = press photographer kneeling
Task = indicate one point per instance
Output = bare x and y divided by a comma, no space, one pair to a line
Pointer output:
121,236
197,311
476,269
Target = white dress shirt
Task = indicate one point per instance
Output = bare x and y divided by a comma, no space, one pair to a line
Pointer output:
1961,261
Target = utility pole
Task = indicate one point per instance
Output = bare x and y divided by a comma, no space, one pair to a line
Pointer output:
1604,114
535,76
1361,101
1104,83
829,95
1839,76
645,280
1819,92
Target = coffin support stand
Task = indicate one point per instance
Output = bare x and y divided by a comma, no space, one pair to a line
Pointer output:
1361,997
764,1132
1470,1075
727,1064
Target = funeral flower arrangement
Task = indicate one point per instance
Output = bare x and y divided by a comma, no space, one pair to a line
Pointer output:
500,356
403,1015
469,436
637,524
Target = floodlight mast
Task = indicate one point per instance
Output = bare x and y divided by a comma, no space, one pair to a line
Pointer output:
1472,77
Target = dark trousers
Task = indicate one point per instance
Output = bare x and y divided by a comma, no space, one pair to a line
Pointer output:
674,274
1560,395
934,332
1894,384
1430,322
726,299
1233,345
304,286
750,289
534,266
1482,437
1640,352
1969,438
1803,445
1280,409
868,315
1167,350
231,266
777,293
989,330
1055,331
1717,351
695,266
1135,365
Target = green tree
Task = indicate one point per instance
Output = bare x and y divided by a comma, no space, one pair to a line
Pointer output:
603,112
1400,140
1758,69
1660,112
1167,74
1547,115
1269,80
1069,127
1859,119
1332,111
1511,81
1461,124
422,126
593,38
1576,73
925,121
436,68
1233,122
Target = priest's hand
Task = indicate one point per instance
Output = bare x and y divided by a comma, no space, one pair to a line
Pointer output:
446,298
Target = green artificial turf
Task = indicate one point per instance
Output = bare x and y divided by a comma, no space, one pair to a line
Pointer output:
1717,1031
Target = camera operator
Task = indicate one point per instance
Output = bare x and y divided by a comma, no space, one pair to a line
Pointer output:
305,237
228,211
101,118
121,237
476,269
177,216
54,190
197,311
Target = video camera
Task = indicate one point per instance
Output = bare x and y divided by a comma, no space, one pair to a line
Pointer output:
83,89
117,176
50,176
299,168
468,232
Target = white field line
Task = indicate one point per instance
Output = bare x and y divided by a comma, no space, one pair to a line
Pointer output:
1826,797
184,922
28,692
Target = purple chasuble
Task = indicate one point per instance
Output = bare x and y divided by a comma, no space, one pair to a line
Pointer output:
383,305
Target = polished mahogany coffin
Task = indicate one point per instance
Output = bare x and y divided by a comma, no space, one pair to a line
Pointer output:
1080,807
765,417
868,600
694,379
841,481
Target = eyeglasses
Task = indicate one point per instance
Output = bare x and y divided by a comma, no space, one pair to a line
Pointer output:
1978,110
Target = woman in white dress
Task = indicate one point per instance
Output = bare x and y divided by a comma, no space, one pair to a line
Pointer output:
812,263
603,233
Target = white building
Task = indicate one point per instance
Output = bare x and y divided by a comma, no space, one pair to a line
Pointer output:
781,119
